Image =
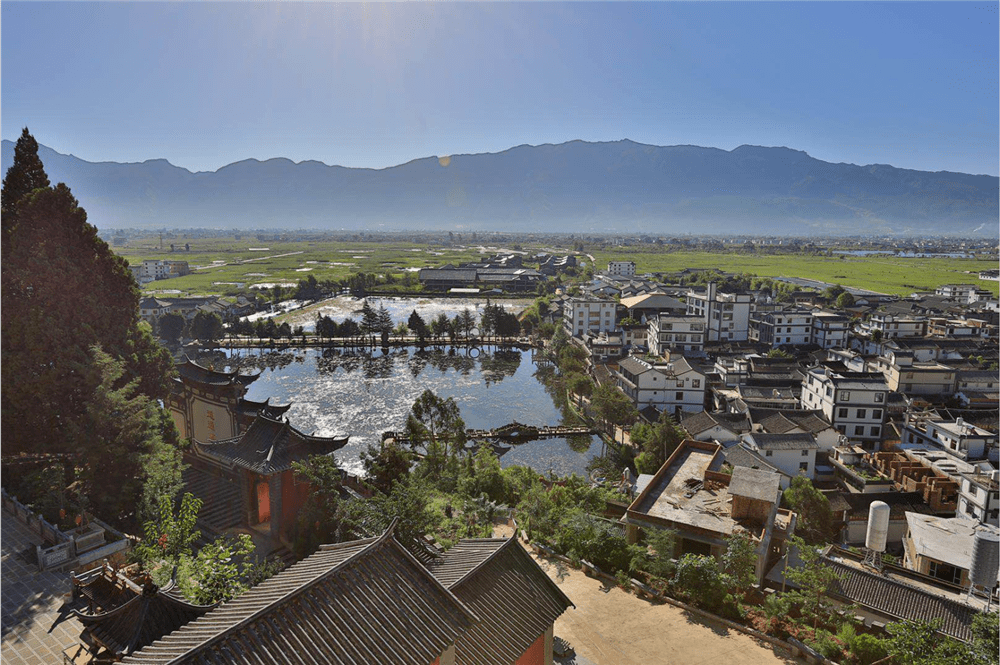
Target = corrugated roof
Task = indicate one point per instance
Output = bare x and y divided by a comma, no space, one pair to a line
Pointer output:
363,602
269,446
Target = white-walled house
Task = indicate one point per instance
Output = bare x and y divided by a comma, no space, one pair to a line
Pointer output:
979,497
726,315
830,330
853,402
792,454
595,315
675,387
671,332
621,268
957,438
789,327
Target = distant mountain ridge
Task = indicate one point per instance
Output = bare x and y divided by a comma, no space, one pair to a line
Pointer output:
575,187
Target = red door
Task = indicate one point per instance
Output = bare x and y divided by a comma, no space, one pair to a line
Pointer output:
263,502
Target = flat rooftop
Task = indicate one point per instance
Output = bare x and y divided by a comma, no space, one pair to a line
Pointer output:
681,494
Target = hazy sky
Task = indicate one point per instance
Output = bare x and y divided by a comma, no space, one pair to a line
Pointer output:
203,85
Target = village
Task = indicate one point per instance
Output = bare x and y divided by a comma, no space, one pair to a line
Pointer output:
856,424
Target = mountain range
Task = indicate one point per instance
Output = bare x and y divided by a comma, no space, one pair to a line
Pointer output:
574,187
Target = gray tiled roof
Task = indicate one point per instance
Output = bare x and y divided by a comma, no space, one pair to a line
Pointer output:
269,446
902,601
738,455
759,484
366,601
190,371
780,421
804,441
141,620
703,420
514,599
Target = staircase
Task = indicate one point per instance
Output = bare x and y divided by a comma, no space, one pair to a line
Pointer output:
221,506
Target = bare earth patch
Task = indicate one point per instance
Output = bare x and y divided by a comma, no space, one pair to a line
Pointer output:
612,627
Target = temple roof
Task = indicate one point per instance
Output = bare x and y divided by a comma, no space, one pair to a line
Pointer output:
141,620
514,598
366,601
251,409
268,446
191,372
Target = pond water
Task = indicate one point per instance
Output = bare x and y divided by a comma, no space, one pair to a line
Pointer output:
363,394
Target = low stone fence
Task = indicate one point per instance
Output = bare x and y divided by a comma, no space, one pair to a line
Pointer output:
77,548
794,647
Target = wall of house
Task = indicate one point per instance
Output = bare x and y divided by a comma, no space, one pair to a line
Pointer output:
788,461
535,654
293,498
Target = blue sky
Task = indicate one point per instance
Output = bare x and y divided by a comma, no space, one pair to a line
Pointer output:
203,85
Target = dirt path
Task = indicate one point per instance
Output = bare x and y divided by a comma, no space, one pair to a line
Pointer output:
612,627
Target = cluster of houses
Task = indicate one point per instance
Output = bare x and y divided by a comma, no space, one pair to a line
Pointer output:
152,308
502,273
907,417
153,269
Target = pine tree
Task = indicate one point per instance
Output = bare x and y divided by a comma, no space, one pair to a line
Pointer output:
23,177
63,291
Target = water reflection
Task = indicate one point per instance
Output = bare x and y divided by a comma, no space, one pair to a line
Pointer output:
364,393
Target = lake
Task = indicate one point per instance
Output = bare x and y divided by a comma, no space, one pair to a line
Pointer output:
364,394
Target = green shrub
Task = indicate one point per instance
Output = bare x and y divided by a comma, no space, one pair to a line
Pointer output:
826,644
867,649
699,578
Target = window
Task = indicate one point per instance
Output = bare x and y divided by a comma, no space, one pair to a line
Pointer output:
696,383
679,397
680,383
804,466
859,430
805,453
876,429
876,414
879,397
668,326
862,414
841,413
767,453
945,572
845,395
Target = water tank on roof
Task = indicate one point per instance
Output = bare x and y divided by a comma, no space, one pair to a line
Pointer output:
878,526
985,558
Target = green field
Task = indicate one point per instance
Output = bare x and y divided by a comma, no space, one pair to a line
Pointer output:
219,264
222,263
885,274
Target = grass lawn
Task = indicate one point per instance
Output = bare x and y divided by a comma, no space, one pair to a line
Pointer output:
885,274
227,265
220,265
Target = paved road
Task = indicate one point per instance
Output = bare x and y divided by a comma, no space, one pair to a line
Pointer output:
35,626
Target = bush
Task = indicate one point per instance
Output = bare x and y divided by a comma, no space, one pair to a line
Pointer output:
826,644
699,578
867,649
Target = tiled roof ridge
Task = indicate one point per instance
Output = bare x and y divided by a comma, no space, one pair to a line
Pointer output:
386,539
511,544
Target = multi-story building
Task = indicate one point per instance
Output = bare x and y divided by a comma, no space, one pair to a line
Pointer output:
904,374
891,326
726,315
853,402
830,330
675,387
792,454
789,327
594,315
958,438
621,268
979,497
669,332
968,293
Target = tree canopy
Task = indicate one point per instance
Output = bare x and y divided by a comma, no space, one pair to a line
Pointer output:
64,292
